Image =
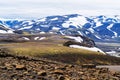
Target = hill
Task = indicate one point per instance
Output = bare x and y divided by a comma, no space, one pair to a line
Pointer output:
58,48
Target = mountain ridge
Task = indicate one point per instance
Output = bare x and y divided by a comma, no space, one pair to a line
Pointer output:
99,28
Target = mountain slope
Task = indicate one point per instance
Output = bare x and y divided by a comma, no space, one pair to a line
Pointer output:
103,28
4,29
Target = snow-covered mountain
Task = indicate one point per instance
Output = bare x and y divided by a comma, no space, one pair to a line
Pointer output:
5,30
105,28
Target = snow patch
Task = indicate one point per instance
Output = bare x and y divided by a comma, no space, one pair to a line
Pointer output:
36,38
26,38
80,33
97,36
55,28
109,28
1,31
77,39
38,29
54,19
5,32
9,31
115,34
42,38
42,32
87,48
91,30
27,27
44,25
77,22
113,53
43,19
80,19
98,24
66,25
86,32
16,26
62,33
27,23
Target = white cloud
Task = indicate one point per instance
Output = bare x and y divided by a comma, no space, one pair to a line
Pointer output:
40,8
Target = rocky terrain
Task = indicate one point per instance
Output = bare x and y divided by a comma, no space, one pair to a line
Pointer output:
25,68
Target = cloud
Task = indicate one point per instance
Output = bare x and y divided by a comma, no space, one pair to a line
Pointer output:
41,8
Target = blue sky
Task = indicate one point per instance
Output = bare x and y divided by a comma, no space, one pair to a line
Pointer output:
40,8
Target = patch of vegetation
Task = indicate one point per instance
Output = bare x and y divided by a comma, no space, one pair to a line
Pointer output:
58,52
79,59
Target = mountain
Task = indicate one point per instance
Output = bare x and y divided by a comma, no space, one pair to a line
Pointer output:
99,28
5,30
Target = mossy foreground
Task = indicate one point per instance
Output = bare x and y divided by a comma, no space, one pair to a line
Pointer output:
57,52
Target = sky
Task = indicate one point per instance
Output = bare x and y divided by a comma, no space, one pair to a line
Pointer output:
32,9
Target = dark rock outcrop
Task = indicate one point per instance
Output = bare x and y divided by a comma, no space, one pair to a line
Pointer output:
87,42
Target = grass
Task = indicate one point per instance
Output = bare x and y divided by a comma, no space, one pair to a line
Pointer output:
43,48
58,52
79,59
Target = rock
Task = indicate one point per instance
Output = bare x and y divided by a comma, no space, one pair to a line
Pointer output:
20,67
42,73
13,75
83,78
104,70
63,78
62,68
25,73
81,73
8,66
42,78
15,79
3,67
58,72
88,66
93,79
20,75
117,74
115,78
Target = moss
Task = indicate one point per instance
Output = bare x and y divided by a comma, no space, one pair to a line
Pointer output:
59,53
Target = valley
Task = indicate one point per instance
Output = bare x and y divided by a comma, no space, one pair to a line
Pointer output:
111,48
